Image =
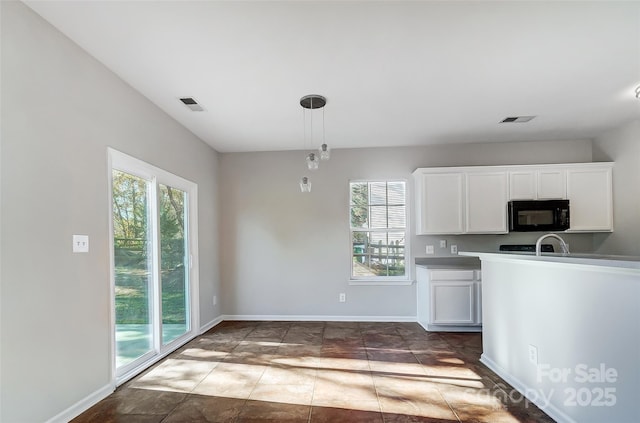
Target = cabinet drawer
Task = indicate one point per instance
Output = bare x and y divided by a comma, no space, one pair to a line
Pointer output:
452,275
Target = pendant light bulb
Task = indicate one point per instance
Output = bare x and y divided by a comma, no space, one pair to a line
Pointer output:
325,153
305,184
312,161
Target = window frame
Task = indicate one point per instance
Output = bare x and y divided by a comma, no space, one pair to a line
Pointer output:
382,280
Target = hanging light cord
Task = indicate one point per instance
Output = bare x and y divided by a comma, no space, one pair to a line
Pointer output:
311,118
304,129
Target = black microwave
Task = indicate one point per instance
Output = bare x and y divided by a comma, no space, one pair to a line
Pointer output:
538,215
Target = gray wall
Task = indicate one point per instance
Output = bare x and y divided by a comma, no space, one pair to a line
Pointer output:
287,253
622,146
61,109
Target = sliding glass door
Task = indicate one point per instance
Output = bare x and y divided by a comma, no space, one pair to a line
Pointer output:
174,272
154,284
133,267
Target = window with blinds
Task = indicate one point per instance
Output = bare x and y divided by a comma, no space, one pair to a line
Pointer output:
378,212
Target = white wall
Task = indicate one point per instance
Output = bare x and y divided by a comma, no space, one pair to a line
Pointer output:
61,109
576,315
622,146
285,253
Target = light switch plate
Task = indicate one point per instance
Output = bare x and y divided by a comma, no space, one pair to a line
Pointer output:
533,354
81,243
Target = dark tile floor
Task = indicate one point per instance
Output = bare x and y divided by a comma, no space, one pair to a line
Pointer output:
319,372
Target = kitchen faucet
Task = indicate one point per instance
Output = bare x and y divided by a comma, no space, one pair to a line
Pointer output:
563,245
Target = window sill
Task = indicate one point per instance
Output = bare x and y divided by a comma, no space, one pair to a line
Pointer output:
365,282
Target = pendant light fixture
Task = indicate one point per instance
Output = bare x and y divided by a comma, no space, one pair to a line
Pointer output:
311,102
305,184
325,153
312,161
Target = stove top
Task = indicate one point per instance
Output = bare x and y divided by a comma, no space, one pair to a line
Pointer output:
527,248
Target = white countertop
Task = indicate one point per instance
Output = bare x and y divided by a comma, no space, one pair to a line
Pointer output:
625,262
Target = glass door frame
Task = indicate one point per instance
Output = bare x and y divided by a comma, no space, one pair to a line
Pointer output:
128,164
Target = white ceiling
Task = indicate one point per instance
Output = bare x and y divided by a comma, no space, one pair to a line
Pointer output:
394,73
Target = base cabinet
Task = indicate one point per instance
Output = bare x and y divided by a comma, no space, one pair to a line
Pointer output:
449,299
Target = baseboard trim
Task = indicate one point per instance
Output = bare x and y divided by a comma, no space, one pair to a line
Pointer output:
443,328
307,318
211,324
83,405
554,412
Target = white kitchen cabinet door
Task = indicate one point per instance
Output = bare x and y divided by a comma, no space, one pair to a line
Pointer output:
547,183
589,190
452,303
486,205
440,199
551,184
522,185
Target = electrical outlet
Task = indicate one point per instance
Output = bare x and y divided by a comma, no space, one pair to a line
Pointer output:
443,243
454,249
430,249
342,297
81,243
533,354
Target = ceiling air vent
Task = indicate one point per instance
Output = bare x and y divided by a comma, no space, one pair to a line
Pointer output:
517,119
192,104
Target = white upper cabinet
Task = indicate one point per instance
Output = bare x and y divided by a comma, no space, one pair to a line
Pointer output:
537,184
589,190
551,184
486,202
460,200
452,202
522,185
439,203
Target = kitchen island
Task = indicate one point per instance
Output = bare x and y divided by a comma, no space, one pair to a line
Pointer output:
565,332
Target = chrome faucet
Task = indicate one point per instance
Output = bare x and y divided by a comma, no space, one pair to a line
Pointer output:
563,245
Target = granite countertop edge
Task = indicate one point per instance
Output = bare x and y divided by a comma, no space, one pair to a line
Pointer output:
448,261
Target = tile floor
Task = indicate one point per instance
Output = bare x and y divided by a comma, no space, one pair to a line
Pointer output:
319,372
